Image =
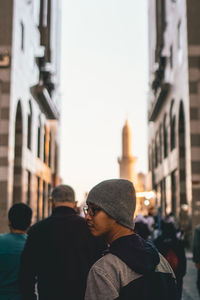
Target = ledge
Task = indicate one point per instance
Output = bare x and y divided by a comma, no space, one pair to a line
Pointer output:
158,101
41,94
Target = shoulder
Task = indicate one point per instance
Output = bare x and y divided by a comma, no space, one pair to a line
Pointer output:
113,267
5,238
164,267
12,243
40,224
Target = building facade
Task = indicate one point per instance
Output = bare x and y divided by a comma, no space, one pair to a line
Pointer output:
29,104
174,108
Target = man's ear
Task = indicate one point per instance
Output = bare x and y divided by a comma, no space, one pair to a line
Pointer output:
52,203
75,206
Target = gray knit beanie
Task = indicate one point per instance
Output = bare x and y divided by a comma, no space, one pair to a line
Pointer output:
117,198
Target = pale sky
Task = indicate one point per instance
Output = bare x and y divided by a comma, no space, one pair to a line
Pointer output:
104,80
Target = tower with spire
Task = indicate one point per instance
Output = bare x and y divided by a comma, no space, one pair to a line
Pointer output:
127,161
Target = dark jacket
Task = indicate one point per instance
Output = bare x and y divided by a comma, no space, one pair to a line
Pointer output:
167,242
132,269
196,245
59,253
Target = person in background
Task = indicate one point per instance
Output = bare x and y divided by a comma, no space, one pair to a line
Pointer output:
141,227
59,252
151,220
11,247
173,250
196,254
132,267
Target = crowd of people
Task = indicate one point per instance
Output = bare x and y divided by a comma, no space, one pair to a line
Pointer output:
105,256
166,236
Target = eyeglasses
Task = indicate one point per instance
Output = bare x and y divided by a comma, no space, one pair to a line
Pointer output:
91,210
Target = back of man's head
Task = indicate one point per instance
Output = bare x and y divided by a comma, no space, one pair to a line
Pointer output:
20,215
63,193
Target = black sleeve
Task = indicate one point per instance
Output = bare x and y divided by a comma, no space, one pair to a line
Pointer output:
27,274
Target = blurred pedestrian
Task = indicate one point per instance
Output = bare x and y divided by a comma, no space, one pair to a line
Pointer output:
59,252
150,218
132,268
141,227
196,254
11,247
173,250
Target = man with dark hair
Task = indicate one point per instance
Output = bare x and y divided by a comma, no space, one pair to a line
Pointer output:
59,252
132,268
11,247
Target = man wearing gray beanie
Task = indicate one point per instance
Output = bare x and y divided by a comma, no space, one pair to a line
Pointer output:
132,268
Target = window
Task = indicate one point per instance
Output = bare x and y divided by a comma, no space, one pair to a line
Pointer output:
173,192
172,128
56,158
49,194
38,199
160,144
160,26
29,126
165,136
171,57
50,142
163,196
22,36
150,163
28,187
156,150
44,200
44,145
43,12
39,139
179,39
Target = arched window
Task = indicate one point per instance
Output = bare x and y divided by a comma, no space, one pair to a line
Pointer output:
29,126
44,145
160,144
150,159
39,138
165,136
153,157
172,127
50,142
156,150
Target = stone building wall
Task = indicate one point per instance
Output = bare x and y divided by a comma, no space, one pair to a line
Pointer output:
173,109
29,106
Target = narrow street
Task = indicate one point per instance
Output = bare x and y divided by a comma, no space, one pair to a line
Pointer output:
189,283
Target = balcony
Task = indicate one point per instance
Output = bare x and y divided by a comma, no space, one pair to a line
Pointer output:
160,89
42,96
160,97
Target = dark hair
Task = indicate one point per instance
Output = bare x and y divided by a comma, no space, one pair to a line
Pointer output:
20,215
142,229
168,230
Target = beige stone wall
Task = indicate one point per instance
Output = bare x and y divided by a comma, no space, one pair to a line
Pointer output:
15,91
176,73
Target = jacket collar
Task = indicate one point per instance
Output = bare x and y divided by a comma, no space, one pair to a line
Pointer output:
63,210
